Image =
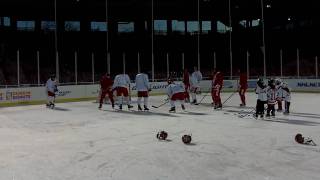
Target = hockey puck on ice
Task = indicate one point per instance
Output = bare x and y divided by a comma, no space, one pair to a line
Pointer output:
162,135
186,139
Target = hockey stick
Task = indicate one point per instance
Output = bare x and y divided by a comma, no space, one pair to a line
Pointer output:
203,97
166,101
229,97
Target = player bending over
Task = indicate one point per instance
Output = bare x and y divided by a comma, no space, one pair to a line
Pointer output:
52,88
195,79
175,93
142,84
216,90
106,89
272,98
121,85
261,91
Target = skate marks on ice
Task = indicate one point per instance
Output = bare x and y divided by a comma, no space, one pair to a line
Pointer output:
60,109
280,118
140,113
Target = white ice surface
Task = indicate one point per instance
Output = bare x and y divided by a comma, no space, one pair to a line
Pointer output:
78,142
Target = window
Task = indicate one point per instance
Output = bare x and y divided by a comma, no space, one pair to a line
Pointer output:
26,25
160,27
255,22
72,26
178,26
5,21
48,25
125,27
243,23
98,26
206,26
221,28
192,27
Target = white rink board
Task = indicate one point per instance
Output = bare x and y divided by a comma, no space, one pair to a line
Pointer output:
14,95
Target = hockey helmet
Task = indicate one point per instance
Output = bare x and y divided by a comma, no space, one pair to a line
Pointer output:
278,81
52,76
260,82
299,138
186,139
271,83
162,135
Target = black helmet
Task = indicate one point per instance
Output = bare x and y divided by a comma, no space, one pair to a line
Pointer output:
271,83
260,83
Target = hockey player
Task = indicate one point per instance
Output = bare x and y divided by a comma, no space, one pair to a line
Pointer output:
217,86
52,88
261,91
175,93
195,79
287,98
271,98
142,84
106,89
121,85
279,92
243,86
212,85
186,82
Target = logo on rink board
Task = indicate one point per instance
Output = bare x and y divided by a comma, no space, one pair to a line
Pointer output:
18,95
308,84
63,93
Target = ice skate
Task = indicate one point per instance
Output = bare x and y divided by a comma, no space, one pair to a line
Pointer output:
146,108
139,108
172,110
130,106
183,107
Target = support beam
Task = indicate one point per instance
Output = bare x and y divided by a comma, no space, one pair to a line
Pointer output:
248,65
76,67
168,66
139,67
38,67
298,63
92,67
18,68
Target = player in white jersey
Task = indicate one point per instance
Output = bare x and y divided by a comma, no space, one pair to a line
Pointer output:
51,88
142,85
121,85
261,91
195,79
287,98
176,92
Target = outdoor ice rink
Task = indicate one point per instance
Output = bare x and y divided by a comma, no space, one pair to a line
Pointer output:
79,142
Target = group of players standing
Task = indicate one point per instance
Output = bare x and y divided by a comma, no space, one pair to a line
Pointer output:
274,93
177,92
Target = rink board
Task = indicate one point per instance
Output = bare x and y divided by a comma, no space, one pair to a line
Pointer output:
38,94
